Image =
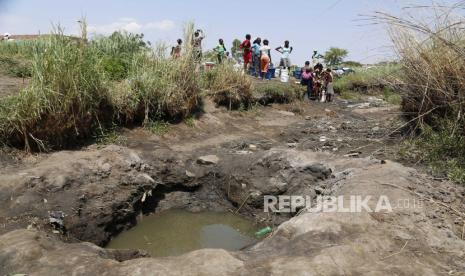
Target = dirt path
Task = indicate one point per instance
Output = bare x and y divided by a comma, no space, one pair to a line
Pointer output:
232,159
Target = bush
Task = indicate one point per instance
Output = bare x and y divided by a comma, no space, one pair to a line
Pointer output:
228,87
433,83
73,91
65,96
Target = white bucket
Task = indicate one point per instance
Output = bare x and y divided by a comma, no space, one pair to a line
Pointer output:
284,75
277,73
323,96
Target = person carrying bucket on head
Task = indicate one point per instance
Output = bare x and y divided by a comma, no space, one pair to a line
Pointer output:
265,58
246,46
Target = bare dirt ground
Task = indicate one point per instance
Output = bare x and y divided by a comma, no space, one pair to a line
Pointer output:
51,202
11,85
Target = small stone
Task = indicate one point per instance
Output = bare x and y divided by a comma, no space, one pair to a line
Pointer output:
292,145
208,160
252,147
144,178
323,139
375,129
190,174
106,167
243,152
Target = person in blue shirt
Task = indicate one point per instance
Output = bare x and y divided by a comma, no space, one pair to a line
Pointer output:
256,56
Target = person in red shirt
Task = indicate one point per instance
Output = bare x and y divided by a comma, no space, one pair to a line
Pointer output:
246,46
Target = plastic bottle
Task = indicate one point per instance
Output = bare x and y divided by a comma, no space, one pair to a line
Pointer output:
262,232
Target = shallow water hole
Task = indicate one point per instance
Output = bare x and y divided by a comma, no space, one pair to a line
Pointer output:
175,232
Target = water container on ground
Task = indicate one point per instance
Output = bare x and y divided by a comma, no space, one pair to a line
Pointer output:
284,75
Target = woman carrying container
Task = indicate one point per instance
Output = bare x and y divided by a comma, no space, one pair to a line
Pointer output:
265,57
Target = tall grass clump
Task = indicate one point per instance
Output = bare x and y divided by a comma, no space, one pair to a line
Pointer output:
228,87
73,95
432,54
66,95
159,87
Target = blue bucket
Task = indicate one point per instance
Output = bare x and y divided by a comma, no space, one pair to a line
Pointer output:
297,74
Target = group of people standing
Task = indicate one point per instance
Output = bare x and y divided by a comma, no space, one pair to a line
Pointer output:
319,82
257,59
257,55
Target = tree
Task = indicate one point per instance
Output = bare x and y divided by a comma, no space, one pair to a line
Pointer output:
236,52
335,56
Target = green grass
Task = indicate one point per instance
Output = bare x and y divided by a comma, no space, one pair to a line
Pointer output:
277,92
350,95
441,149
367,80
391,97
190,121
15,67
78,87
157,127
110,136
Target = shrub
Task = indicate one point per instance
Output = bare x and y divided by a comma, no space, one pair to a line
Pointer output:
75,90
433,83
228,87
65,96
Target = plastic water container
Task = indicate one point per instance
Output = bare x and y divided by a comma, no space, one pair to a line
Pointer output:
208,66
284,75
298,74
277,73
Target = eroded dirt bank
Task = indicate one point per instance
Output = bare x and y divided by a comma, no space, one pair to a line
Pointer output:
226,161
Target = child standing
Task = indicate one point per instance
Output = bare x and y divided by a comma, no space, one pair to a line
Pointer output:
220,51
265,58
285,51
307,80
328,78
176,50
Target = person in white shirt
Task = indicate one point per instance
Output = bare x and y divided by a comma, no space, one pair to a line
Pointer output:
285,51
265,57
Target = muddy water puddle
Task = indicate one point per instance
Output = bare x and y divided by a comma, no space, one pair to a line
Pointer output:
175,232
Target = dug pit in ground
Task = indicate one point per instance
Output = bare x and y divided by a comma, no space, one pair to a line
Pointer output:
54,212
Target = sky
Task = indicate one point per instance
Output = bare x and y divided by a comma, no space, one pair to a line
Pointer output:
308,24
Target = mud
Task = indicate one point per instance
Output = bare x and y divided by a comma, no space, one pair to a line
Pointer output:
306,149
